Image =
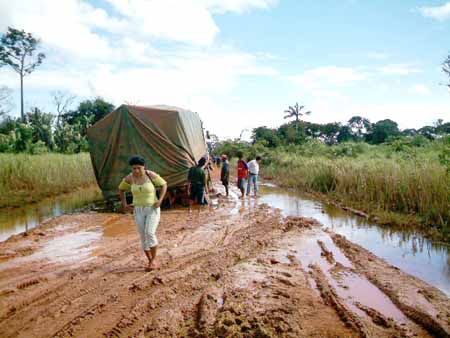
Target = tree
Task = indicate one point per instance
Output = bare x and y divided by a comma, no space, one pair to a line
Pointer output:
345,134
5,100
17,50
296,112
382,130
409,132
41,125
428,131
267,135
443,128
359,125
330,132
87,113
62,101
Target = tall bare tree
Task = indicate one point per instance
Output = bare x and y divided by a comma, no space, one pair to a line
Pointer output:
17,50
296,112
62,101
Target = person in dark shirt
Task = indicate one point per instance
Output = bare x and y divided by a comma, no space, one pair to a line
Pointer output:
197,183
225,173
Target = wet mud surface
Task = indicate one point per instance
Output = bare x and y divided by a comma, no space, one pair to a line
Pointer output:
234,269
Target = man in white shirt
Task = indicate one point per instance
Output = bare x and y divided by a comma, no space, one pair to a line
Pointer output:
253,170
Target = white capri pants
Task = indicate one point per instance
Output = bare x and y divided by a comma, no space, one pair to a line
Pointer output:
147,221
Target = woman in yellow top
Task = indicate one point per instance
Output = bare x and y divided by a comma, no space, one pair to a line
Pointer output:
146,205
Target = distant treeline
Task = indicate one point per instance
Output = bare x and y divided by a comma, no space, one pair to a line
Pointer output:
357,129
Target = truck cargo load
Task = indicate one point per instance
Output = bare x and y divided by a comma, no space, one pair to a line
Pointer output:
171,140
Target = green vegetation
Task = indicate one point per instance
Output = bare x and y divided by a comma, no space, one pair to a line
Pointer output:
40,132
404,181
29,178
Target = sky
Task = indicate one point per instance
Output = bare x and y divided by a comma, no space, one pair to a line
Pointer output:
241,63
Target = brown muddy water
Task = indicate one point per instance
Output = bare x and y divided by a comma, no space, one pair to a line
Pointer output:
17,220
405,249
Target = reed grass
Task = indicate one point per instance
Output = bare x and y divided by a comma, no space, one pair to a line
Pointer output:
414,187
30,178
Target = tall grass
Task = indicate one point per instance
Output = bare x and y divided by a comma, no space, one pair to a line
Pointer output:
416,186
28,178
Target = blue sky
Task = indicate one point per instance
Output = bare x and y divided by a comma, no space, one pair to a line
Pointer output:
240,63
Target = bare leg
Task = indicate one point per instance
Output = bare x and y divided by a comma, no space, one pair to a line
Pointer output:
153,263
149,256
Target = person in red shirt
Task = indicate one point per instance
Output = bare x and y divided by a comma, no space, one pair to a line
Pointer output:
242,173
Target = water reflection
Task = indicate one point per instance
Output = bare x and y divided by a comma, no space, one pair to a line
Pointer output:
401,247
17,220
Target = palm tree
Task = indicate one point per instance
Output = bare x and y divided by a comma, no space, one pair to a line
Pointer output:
296,111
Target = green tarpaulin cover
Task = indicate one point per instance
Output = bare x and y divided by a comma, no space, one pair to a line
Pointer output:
169,138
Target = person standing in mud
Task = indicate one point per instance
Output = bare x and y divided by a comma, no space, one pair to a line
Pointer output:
146,205
242,173
225,173
253,170
197,187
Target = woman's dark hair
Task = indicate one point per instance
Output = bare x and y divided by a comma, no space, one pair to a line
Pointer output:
258,158
201,162
136,160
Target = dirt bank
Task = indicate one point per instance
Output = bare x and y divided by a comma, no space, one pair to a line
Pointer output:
232,269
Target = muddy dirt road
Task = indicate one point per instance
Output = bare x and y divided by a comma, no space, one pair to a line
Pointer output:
230,270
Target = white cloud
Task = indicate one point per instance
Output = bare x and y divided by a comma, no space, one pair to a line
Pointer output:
183,21
63,25
76,26
238,6
328,76
419,89
399,69
119,55
440,13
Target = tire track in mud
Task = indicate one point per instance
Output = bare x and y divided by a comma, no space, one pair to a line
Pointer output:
62,296
198,273
220,276
193,261
330,272
331,298
404,290
91,290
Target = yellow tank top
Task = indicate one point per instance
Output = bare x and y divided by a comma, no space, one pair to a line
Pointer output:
143,194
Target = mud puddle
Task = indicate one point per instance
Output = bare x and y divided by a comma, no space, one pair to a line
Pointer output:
17,220
408,251
76,247
316,248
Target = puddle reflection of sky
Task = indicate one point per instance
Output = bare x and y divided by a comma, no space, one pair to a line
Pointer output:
407,250
17,220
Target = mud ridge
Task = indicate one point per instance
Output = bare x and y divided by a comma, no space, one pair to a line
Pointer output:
331,298
434,317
